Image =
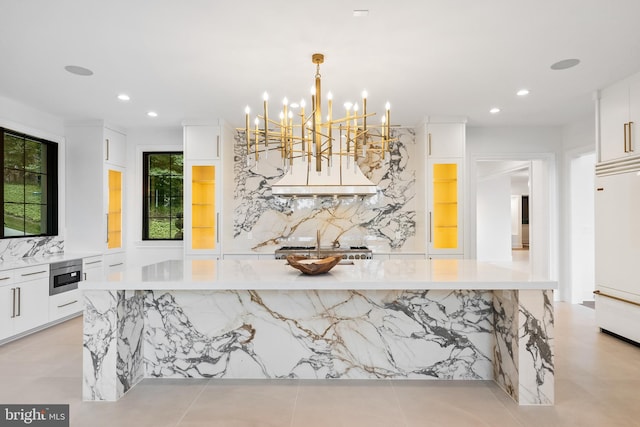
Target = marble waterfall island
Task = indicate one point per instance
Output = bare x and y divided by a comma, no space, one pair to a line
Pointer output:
394,319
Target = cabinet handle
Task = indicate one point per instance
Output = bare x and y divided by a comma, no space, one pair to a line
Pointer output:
107,240
218,227
19,303
626,125
92,262
429,142
84,276
31,274
116,264
5,278
107,140
13,302
217,145
430,230
69,303
630,139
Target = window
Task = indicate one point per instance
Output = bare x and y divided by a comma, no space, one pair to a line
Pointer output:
162,217
30,189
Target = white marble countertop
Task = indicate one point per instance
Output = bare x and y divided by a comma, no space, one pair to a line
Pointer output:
44,259
205,274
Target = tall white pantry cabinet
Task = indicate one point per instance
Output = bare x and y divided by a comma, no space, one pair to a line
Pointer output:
95,177
617,210
444,142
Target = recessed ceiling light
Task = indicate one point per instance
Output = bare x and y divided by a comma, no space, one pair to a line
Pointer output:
152,114
523,92
358,13
123,97
78,71
564,64
494,110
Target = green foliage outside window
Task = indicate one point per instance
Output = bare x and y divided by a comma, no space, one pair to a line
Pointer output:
163,198
29,192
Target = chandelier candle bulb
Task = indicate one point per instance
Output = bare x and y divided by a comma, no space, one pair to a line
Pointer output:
265,98
256,138
247,131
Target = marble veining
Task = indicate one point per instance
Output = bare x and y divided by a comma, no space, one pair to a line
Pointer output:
25,247
113,326
332,334
523,353
384,221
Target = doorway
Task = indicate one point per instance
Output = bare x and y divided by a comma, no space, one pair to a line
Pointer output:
543,209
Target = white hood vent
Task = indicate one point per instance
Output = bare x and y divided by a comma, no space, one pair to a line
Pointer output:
342,180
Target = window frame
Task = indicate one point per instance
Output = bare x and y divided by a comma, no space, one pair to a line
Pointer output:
145,195
51,186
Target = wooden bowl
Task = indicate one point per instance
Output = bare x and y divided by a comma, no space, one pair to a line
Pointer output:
313,266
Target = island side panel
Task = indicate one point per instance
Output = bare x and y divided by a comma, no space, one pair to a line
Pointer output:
523,352
319,334
112,347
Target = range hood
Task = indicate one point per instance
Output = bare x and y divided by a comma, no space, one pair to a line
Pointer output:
340,180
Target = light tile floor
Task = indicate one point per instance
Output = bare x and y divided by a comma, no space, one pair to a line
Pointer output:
597,384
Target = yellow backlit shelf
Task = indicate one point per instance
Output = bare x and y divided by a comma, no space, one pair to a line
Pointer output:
445,205
203,207
114,210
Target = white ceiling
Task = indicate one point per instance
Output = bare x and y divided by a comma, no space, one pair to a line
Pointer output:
208,59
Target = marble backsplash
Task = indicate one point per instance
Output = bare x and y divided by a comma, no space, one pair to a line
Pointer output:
384,222
13,249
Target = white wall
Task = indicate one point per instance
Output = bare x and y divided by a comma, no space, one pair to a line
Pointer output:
578,140
138,141
493,211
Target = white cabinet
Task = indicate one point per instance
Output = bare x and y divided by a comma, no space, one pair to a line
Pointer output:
7,303
203,187
445,139
617,232
202,141
93,267
95,177
65,304
24,299
114,262
619,119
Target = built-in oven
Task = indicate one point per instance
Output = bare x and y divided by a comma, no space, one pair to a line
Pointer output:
64,276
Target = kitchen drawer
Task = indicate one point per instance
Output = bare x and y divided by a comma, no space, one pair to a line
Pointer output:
65,304
6,277
31,273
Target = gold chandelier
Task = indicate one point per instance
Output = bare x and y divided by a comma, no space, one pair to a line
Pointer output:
313,140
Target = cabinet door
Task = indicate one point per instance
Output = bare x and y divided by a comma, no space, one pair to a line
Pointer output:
202,200
445,207
115,147
202,142
633,140
6,309
614,116
445,139
33,305
617,228
114,216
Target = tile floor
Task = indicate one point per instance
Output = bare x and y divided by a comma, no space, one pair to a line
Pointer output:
597,384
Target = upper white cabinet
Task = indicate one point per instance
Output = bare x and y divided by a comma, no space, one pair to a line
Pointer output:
95,177
443,138
115,148
202,141
619,119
